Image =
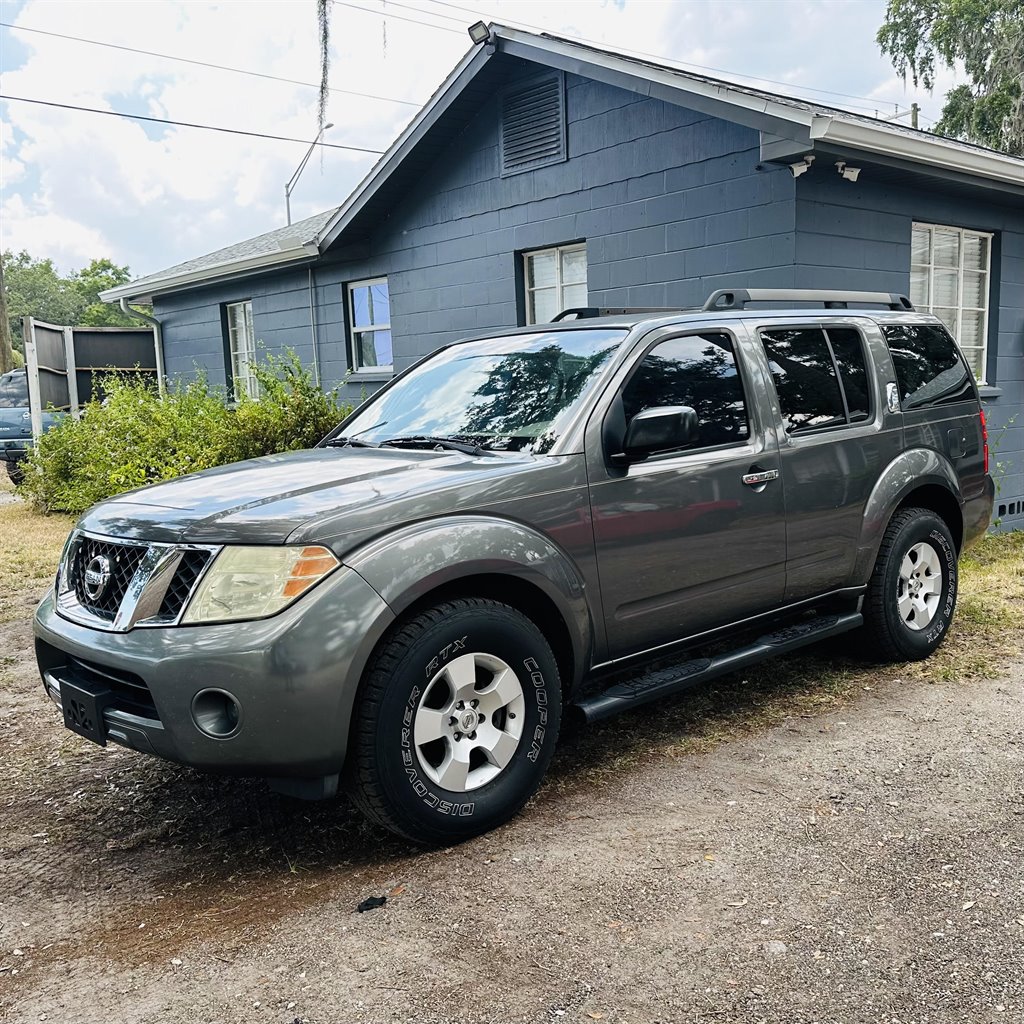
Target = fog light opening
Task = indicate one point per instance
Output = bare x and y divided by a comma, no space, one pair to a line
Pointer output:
216,713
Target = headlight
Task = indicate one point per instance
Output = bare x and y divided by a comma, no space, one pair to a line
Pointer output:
254,582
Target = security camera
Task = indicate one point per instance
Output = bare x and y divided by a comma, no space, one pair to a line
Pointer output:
801,166
849,173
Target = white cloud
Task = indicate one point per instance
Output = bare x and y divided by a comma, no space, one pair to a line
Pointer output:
78,185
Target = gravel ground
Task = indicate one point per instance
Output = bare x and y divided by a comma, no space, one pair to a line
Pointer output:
854,866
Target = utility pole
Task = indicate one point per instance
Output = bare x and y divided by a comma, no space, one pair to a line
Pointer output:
6,354
914,111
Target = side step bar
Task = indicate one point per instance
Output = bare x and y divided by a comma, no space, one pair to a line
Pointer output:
663,682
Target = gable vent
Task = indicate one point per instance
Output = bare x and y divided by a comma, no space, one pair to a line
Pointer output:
533,125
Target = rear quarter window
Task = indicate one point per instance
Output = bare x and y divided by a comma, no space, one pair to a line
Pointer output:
929,367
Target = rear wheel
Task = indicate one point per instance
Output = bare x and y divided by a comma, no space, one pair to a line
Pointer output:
455,723
15,473
912,594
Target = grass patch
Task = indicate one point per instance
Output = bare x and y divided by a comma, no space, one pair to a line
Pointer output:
31,545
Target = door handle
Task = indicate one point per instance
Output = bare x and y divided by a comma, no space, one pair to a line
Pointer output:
761,477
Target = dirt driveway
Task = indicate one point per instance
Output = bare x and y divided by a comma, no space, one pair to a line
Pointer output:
821,853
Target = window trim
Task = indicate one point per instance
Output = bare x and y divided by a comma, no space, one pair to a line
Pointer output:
873,401
753,425
524,262
380,372
251,385
986,310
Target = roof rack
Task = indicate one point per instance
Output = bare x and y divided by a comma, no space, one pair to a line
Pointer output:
587,312
737,298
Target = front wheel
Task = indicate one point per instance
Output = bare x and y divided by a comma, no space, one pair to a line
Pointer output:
455,722
912,593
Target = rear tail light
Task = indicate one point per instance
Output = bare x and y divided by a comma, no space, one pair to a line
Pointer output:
984,438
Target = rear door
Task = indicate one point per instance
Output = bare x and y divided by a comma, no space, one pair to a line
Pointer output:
836,437
683,544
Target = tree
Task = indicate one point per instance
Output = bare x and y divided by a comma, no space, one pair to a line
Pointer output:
6,349
35,288
987,38
88,282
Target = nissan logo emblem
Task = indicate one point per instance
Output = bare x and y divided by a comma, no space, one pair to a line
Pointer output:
97,577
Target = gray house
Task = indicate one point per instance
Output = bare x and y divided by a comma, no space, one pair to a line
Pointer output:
547,174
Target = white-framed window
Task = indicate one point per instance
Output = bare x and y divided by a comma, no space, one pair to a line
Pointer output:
949,276
555,279
369,317
242,348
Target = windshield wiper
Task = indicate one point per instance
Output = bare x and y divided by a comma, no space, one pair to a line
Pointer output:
349,442
422,441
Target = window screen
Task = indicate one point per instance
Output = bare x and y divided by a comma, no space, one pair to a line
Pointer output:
698,370
929,370
805,379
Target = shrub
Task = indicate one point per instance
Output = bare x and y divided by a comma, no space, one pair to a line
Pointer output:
135,436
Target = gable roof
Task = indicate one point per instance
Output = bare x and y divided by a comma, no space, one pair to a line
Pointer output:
789,127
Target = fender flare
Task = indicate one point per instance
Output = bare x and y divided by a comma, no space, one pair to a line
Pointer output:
909,471
406,564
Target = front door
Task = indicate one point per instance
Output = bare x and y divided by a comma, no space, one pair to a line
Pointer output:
683,543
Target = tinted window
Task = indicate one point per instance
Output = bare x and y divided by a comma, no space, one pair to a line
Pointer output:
848,348
698,371
929,369
14,391
805,379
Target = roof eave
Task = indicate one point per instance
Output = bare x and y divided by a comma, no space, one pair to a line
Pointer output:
929,151
217,272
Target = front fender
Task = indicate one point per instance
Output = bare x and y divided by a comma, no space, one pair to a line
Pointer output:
407,564
910,470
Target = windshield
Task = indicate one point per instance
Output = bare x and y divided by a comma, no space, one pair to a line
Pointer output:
515,393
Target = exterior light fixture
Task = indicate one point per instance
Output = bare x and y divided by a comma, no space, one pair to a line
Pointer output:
801,166
479,32
849,173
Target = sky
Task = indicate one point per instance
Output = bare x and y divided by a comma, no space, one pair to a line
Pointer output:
76,186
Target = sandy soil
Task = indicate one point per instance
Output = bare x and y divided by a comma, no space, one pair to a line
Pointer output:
861,864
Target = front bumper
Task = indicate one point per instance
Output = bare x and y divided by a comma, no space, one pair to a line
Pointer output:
294,677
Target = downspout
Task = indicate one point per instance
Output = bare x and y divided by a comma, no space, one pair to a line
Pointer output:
158,339
312,329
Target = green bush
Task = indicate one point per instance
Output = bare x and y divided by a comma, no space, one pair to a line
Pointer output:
135,436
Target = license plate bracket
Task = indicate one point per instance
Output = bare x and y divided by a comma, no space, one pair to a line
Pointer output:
83,709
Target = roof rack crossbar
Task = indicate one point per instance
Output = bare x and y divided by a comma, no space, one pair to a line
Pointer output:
586,312
738,298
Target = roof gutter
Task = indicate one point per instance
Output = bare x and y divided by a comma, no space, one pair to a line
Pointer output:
919,150
144,289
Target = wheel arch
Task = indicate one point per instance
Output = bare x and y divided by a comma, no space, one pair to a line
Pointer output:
484,556
918,478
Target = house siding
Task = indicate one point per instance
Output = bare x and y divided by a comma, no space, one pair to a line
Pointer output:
857,235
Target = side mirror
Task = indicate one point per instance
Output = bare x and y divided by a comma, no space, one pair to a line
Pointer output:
658,429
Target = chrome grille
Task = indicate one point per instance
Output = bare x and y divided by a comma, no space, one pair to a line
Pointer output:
149,584
124,560
190,568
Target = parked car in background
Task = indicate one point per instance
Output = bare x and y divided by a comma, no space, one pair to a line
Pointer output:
524,522
16,421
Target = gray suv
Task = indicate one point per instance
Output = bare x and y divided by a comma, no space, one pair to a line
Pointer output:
585,515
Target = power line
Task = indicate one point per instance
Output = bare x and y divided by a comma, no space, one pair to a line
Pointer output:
187,124
638,53
400,17
203,63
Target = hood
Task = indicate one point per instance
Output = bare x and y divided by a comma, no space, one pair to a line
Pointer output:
265,500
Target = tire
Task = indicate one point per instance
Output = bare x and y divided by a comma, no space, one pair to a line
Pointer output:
15,473
912,594
417,763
